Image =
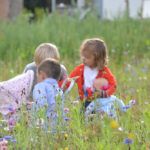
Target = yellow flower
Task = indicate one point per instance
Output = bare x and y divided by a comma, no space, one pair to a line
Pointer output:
114,124
66,148
66,136
131,136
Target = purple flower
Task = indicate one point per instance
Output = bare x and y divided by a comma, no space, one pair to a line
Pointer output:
132,102
128,141
66,110
11,109
66,119
126,107
11,122
8,137
111,114
13,140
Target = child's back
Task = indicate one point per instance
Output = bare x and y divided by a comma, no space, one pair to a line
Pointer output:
15,92
45,92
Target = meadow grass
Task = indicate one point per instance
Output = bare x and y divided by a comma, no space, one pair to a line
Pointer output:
128,43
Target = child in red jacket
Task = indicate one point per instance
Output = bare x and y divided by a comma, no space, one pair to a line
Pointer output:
95,81
95,58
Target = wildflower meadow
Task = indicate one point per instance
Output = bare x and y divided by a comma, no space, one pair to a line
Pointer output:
128,42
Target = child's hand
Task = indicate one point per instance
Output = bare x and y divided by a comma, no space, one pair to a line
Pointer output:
73,78
100,84
101,94
67,82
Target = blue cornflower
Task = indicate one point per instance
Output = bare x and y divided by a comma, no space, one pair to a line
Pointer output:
128,141
126,107
13,140
11,109
111,115
66,119
8,137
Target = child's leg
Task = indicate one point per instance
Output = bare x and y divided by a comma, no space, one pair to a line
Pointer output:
121,104
100,105
109,109
118,102
106,105
129,105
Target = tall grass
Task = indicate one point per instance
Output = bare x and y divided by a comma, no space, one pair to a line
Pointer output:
20,38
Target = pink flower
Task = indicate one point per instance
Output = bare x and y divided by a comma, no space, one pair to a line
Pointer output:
105,87
66,110
11,122
132,102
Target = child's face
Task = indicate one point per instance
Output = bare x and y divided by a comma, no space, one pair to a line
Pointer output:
41,76
88,59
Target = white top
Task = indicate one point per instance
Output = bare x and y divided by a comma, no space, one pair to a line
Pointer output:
89,77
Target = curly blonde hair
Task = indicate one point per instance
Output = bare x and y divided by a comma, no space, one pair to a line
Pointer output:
98,49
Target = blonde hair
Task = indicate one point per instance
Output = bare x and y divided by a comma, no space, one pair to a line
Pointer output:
46,50
98,49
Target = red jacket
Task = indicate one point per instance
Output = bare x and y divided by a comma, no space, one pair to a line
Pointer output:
104,73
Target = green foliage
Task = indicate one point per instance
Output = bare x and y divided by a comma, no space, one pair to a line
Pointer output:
20,38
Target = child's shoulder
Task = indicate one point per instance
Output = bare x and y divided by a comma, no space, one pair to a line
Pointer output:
106,68
39,88
30,66
63,68
80,66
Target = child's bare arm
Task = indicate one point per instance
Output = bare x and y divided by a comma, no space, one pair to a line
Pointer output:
66,84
